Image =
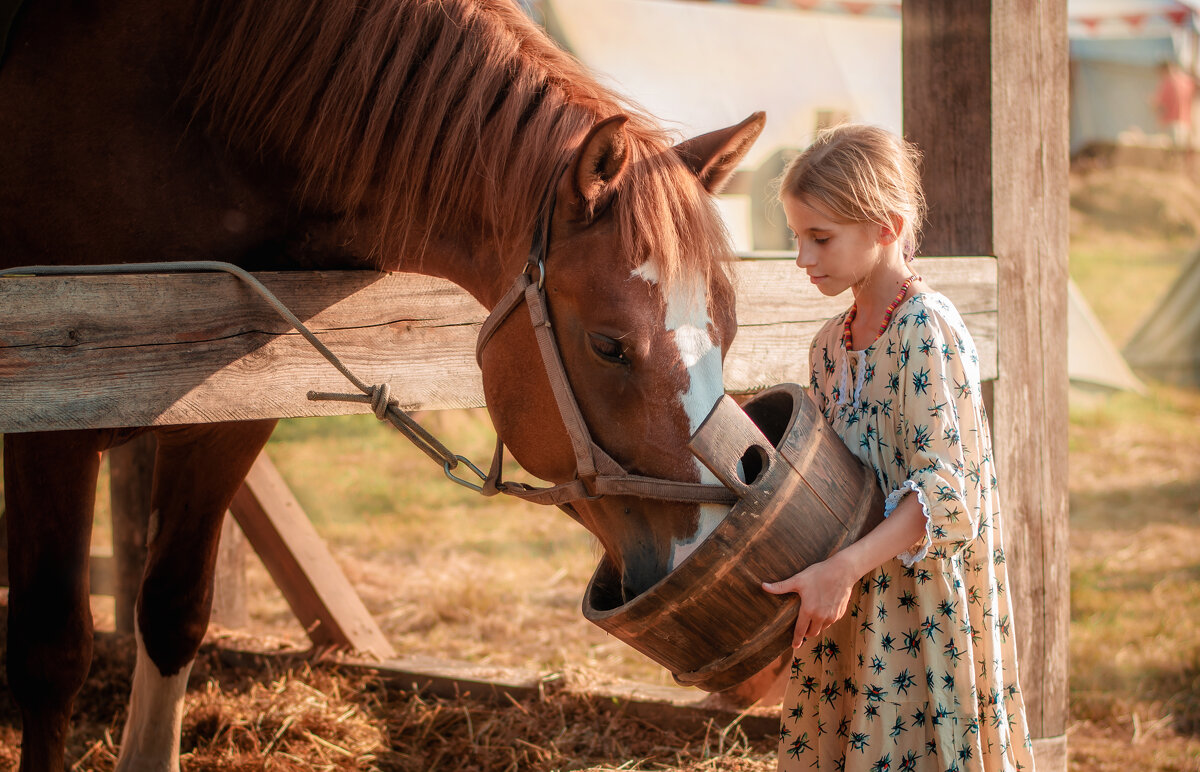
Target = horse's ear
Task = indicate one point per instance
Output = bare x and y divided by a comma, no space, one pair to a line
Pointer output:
597,168
713,156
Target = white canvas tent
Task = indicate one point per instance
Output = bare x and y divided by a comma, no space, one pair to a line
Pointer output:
1167,345
1092,359
707,65
799,59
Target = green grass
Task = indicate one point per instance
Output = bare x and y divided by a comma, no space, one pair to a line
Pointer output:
1135,558
351,472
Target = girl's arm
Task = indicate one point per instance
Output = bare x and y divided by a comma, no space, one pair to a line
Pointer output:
824,588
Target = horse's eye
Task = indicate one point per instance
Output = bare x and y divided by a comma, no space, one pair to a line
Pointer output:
608,349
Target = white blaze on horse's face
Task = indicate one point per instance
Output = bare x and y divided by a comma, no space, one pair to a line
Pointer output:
688,318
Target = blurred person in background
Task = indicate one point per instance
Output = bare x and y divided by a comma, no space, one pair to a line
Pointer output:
1173,103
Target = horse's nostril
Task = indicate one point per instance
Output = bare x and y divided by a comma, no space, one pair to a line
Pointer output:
753,464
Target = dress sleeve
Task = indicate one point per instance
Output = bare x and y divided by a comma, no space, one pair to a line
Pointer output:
944,443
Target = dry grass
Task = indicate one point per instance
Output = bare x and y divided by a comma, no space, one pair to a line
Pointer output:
280,716
1134,495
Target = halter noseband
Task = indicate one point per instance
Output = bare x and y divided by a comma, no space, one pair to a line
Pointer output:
596,473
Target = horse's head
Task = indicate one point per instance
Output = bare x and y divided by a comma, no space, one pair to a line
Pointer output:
641,308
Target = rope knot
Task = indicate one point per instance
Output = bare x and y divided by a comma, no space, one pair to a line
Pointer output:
381,400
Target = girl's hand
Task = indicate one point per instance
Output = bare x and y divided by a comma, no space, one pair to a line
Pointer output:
824,589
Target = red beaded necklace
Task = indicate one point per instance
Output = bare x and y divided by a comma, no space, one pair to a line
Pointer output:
848,338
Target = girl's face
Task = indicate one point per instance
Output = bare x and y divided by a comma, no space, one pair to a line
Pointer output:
836,255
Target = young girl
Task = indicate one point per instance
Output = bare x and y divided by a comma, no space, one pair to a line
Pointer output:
905,657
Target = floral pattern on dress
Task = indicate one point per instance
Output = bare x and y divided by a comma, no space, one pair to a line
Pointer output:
921,672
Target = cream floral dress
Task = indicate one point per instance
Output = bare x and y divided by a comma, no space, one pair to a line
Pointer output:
921,672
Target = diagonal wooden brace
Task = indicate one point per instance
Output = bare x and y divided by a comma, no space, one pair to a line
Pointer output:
294,554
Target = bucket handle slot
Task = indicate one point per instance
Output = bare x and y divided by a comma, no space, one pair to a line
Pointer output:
730,444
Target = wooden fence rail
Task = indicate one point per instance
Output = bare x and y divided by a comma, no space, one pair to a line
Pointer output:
139,350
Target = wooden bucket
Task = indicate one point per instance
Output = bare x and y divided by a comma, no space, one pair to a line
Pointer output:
709,621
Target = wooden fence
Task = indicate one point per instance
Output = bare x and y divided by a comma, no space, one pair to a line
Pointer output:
157,349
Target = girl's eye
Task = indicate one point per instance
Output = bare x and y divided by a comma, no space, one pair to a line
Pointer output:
821,239
608,349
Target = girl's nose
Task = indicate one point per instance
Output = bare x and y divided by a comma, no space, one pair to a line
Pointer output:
804,257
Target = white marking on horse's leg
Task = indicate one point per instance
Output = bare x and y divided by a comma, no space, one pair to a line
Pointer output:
150,742
687,316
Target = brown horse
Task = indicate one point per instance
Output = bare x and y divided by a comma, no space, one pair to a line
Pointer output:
412,135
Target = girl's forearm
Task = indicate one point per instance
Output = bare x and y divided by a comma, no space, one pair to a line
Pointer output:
899,531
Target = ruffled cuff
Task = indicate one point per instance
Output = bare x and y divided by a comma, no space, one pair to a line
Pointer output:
919,550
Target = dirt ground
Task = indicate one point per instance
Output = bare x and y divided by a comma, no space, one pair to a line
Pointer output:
499,583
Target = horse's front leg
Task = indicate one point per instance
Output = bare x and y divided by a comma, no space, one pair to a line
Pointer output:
49,491
197,470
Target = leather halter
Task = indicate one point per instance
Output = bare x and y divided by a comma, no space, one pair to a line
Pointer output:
596,473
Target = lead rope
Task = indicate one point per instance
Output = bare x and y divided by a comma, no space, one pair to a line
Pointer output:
378,396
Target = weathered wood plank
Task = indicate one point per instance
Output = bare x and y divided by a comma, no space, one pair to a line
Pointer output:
313,584
163,349
447,679
779,313
95,351
985,98
229,607
947,55
1030,136
686,710
131,477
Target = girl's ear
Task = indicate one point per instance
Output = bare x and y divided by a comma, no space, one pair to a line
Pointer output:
890,232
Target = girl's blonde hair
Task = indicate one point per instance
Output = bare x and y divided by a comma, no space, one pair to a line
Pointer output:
861,173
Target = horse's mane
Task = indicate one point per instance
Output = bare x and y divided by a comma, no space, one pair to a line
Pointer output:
429,114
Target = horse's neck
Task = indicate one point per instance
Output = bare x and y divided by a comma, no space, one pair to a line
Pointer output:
468,260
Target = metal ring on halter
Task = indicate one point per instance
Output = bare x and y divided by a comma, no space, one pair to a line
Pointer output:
465,483
541,264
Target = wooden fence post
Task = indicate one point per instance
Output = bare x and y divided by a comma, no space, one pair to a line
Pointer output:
985,98
130,474
229,581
